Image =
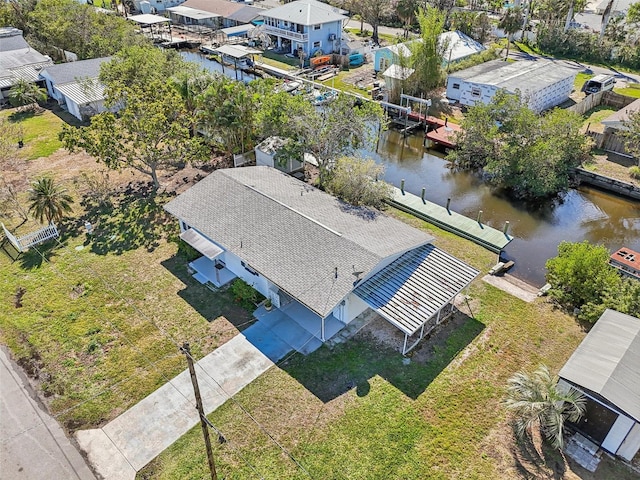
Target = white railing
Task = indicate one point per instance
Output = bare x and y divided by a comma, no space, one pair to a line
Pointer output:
283,32
23,243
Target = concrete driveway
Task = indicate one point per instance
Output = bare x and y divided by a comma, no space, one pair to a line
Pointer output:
34,446
127,443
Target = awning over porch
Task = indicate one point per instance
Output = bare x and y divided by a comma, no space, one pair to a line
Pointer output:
415,287
201,243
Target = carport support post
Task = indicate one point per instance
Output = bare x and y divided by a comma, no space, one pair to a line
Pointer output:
196,390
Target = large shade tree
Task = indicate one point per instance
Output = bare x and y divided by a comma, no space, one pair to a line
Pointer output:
427,55
151,132
49,200
510,23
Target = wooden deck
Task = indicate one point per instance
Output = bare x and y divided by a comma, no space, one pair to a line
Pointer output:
453,222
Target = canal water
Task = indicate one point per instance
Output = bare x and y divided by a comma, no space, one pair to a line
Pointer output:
580,214
214,66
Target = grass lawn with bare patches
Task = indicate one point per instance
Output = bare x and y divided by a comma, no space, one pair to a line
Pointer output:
40,132
359,412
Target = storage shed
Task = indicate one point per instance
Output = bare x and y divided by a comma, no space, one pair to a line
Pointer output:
606,368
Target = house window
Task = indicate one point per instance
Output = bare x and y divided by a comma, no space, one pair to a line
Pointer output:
475,92
456,86
317,44
317,27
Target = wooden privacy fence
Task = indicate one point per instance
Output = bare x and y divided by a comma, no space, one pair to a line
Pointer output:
608,141
611,99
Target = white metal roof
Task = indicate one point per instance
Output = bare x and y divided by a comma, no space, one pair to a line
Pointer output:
82,93
398,72
238,29
411,290
201,243
237,51
607,361
306,12
148,19
193,13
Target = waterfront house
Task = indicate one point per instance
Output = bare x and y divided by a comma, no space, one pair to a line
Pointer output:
18,61
456,47
604,368
306,25
75,86
543,84
320,261
229,14
627,262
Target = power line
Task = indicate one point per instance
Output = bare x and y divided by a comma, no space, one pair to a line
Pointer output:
143,357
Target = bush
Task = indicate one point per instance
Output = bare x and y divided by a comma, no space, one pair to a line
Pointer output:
355,181
635,172
245,295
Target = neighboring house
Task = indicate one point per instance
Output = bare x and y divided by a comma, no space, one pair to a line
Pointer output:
457,47
311,254
617,120
231,14
155,6
542,83
188,16
18,61
308,25
76,87
606,368
394,78
627,262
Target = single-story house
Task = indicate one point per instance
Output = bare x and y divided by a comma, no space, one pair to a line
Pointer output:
76,87
187,16
627,262
610,139
457,47
18,61
231,13
309,252
606,369
617,120
543,84
306,25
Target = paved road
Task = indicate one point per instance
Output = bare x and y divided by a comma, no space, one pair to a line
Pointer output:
33,445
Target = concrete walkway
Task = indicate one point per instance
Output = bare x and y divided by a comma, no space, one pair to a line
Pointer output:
34,445
126,444
513,286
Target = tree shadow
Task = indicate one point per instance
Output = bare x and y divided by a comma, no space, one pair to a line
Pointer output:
135,219
532,461
329,373
209,304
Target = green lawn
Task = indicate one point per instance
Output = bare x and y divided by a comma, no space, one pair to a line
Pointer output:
92,314
580,80
358,411
632,90
593,117
384,37
40,132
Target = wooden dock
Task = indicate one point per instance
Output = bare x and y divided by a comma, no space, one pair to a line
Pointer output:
484,235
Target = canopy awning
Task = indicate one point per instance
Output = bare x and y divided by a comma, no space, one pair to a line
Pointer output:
238,30
201,243
192,13
148,19
237,51
415,287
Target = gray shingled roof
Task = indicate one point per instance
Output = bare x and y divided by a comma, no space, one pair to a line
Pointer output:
73,71
246,14
293,234
306,12
607,361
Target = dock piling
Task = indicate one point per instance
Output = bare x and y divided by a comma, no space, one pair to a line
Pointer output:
448,203
423,192
479,220
402,185
506,227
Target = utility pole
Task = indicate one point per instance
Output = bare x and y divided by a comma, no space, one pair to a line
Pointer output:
203,421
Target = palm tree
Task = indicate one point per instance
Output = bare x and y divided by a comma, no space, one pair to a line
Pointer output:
510,23
406,10
49,200
26,93
539,403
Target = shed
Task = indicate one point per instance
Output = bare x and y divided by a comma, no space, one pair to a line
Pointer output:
606,368
267,150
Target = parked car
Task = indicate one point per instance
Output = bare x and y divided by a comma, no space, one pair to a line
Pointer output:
599,83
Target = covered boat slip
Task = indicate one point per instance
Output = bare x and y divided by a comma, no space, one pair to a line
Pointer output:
413,292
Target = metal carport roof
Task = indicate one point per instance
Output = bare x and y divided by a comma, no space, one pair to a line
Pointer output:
416,286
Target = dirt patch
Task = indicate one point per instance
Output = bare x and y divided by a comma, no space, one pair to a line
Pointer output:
614,166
